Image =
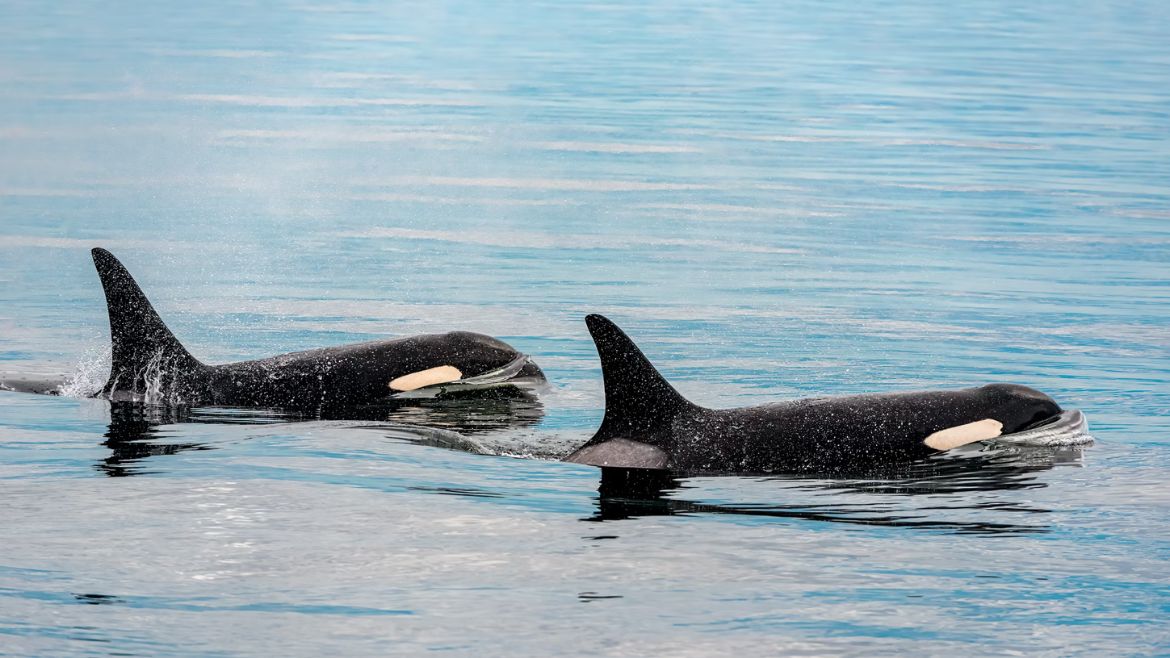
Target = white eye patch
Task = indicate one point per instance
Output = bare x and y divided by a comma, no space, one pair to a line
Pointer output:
961,435
428,377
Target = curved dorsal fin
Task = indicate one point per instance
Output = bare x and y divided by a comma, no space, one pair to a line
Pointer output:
140,339
639,401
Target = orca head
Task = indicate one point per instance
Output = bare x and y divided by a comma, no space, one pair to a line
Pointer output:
471,353
469,340
466,358
1019,407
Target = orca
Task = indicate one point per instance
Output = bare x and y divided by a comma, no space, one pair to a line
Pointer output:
649,425
149,363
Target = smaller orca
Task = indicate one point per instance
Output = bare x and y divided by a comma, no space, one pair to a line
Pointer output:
149,363
649,425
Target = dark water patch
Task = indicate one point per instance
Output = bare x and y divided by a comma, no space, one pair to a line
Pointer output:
588,597
460,491
97,599
187,604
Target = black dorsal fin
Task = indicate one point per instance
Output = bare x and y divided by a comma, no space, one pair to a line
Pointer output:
639,402
140,339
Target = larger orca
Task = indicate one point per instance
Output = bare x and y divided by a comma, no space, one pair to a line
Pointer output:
149,363
649,425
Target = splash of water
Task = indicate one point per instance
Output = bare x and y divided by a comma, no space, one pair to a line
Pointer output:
89,374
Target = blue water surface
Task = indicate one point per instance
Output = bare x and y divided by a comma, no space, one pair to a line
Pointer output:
775,199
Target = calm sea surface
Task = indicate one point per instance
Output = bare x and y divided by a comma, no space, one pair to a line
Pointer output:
775,199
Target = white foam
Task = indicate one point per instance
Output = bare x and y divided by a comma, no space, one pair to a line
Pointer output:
89,375
1070,429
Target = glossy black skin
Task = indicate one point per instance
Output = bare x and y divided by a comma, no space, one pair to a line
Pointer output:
819,434
347,375
144,350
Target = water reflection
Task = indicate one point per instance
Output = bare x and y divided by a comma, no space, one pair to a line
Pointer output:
938,494
134,435
465,415
134,431
96,599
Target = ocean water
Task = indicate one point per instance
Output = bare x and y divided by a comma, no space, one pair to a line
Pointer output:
774,199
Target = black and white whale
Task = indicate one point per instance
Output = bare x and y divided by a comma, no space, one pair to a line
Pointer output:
649,425
149,363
